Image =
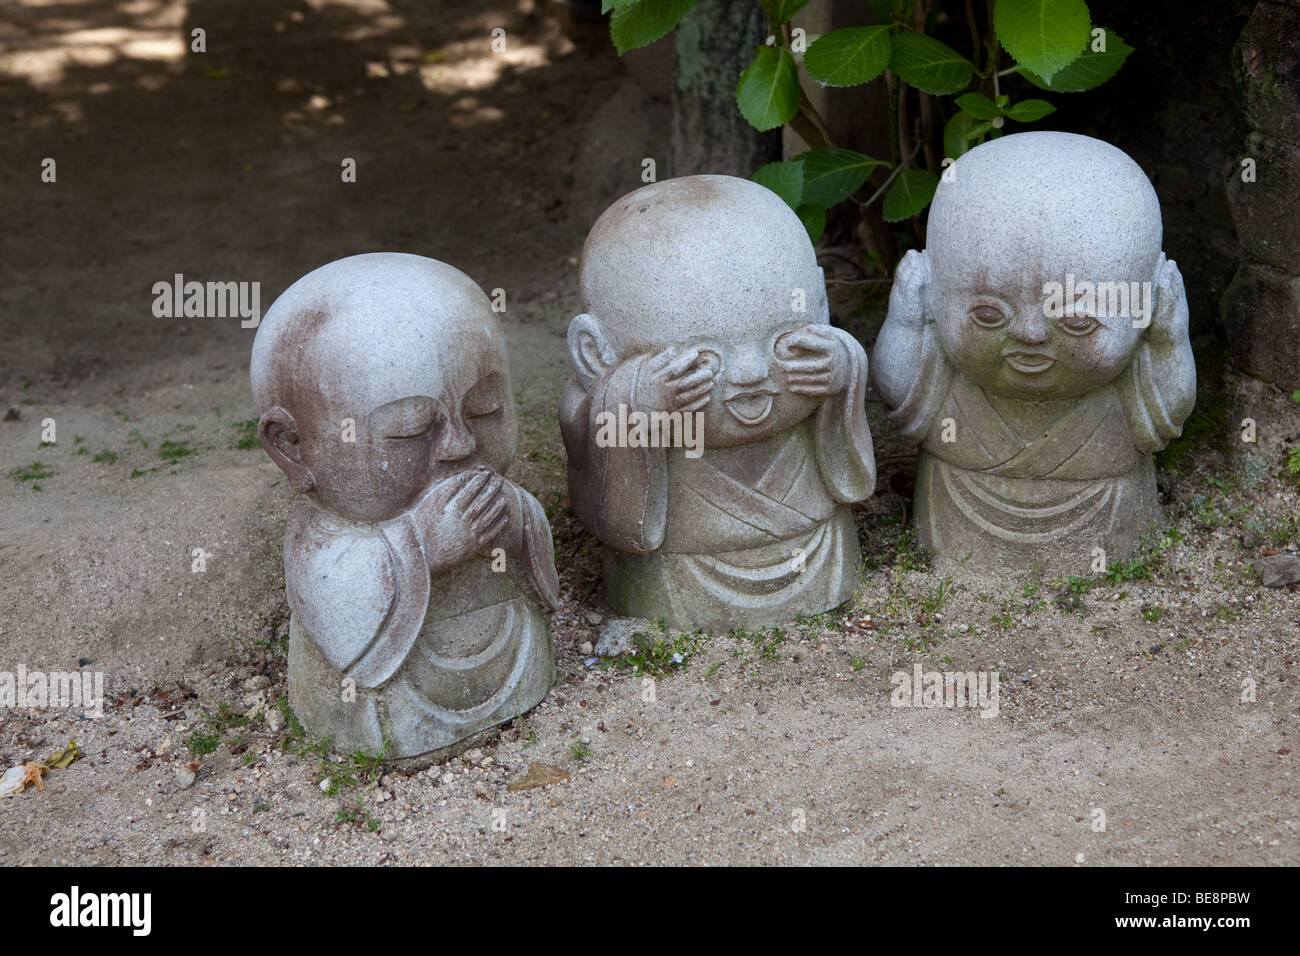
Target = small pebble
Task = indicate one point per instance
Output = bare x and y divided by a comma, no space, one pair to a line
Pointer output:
184,777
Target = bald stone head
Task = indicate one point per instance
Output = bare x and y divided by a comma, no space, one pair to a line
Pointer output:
1019,218
710,262
379,375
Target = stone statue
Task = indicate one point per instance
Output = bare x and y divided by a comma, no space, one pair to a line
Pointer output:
1038,351
420,579
715,423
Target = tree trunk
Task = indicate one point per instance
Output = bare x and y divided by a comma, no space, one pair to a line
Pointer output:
714,43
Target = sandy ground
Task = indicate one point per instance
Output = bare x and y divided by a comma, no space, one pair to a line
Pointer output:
1122,735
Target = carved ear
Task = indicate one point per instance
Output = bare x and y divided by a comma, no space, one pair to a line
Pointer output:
589,350
278,433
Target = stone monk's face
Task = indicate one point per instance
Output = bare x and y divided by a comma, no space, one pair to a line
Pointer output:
1002,324
435,414
709,263
750,400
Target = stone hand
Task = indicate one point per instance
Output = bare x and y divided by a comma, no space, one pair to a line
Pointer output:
677,380
907,297
813,361
461,516
1168,330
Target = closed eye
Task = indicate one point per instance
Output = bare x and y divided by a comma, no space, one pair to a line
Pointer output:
485,398
411,431
406,418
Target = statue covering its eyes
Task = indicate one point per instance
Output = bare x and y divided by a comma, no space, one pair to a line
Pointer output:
705,311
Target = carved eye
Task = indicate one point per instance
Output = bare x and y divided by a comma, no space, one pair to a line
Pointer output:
485,398
987,316
1079,324
483,403
406,418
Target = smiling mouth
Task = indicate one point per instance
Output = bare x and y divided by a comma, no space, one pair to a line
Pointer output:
750,408
1029,363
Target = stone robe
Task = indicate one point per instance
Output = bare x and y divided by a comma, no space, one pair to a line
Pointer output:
739,537
429,662
1005,490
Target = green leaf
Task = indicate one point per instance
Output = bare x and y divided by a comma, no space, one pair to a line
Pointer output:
1042,35
929,65
1089,70
832,175
848,57
911,192
768,91
1027,111
780,11
608,5
978,105
784,179
955,134
639,24
813,218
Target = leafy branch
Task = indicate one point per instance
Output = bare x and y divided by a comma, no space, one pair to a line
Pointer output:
1053,45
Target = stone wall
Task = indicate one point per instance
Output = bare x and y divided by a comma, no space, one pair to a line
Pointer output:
1261,309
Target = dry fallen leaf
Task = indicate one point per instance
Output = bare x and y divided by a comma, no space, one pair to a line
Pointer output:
62,759
538,775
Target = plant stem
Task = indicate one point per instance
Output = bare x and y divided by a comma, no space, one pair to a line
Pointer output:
990,46
892,176
808,123
806,107
925,120
926,132
904,127
974,35
893,117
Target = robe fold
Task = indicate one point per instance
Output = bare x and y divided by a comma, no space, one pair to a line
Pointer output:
1002,490
428,661
740,536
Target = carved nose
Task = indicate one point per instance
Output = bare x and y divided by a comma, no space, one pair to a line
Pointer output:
748,366
1029,327
455,441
